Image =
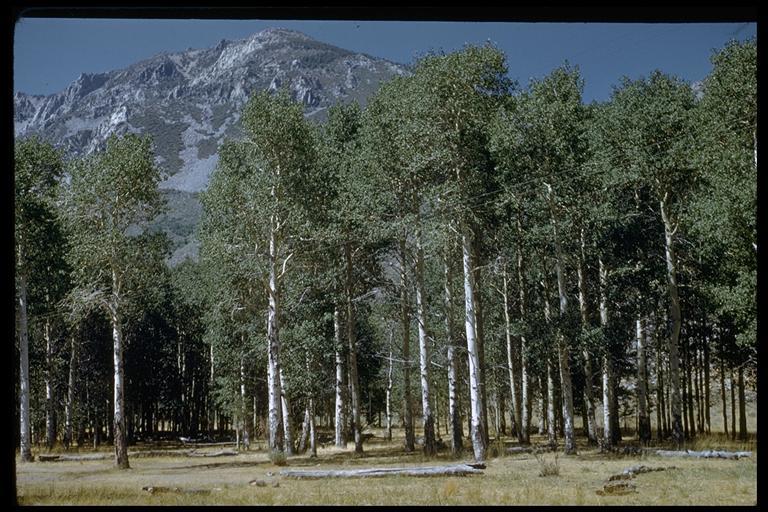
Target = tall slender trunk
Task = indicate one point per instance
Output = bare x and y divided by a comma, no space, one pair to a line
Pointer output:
341,384
352,346
542,405
551,420
50,411
699,391
607,367
512,358
660,406
405,316
286,410
480,339
722,388
71,391
473,355
707,388
120,438
525,408
589,396
689,383
563,352
389,390
732,383
273,348
23,328
674,308
742,405
643,418
421,318
312,430
247,426
454,409
304,437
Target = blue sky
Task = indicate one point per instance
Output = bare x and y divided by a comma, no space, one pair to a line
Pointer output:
51,53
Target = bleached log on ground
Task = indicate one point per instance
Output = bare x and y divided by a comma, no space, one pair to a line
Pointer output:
520,449
157,489
454,470
706,454
66,458
220,453
160,453
630,472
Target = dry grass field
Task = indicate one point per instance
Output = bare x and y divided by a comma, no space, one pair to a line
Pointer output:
508,480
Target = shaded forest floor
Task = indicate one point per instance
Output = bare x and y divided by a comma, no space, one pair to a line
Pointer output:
508,479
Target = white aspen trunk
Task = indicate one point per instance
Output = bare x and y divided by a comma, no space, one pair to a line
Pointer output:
120,438
475,393
607,364
389,390
287,423
352,345
23,328
273,349
674,361
643,418
70,403
512,358
243,406
341,384
410,438
426,411
304,432
542,406
50,427
589,396
742,405
563,352
525,406
454,410
312,431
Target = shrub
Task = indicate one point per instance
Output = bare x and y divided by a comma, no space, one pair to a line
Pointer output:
547,467
278,458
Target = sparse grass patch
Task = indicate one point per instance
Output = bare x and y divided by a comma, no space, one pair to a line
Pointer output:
547,466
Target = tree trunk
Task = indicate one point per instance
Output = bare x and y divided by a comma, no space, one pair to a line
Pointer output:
389,391
512,358
699,390
454,410
71,391
312,431
607,368
341,384
50,412
273,348
660,406
421,318
722,389
643,418
352,346
563,352
410,438
732,383
22,322
304,432
245,415
473,356
589,397
120,438
525,407
287,422
542,406
674,365
688,368
742,406
707,388
479,339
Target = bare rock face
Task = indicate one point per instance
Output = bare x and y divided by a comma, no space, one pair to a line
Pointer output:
189,102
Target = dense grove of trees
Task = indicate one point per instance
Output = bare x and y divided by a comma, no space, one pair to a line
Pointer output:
601,259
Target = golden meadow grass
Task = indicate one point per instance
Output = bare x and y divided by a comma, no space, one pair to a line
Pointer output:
508,480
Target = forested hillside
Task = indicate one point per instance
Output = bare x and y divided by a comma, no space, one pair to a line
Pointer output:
463,258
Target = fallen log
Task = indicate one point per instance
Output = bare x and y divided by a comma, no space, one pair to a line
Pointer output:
617,489
520,449
220,453
455,470
160,453
630,472
73,458
706,454
157,489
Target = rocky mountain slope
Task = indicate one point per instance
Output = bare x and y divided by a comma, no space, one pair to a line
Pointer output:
190,101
